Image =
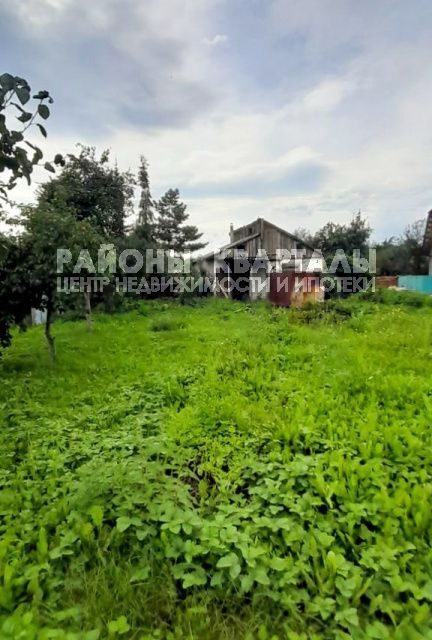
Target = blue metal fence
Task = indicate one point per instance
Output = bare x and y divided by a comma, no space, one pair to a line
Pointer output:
422,284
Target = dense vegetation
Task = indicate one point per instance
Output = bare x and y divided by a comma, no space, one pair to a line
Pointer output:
220,471
84,207
405,254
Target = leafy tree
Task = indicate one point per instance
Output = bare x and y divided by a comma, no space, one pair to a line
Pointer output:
304,234
334,237
97,192
405,254
390,257
47,227
171,231
15,291
413,241
94,190
348,237
16,164
15,161
395,255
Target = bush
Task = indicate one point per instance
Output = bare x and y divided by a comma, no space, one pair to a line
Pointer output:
397,297
166,324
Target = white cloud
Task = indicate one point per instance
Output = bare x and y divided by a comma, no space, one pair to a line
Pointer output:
217,39
327,95
37,14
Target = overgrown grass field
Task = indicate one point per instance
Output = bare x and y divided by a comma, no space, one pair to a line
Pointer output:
220,470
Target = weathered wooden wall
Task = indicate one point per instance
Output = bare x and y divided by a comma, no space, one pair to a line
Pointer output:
271,239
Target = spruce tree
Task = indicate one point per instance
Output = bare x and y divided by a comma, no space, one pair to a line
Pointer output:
145,224
171,231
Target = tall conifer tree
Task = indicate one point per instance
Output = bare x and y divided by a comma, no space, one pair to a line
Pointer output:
171,231
145,225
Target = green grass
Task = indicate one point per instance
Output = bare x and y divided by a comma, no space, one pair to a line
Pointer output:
220,471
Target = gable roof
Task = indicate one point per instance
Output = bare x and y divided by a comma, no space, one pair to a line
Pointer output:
231,245
288,234
244,239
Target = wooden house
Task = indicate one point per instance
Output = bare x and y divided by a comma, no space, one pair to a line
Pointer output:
262,260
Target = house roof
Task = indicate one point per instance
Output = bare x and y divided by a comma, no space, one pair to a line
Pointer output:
244,239
287,233
231,245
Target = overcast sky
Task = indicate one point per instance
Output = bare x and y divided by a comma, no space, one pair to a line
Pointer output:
297,111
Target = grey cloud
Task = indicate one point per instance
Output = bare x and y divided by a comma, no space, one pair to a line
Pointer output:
305,177
98,78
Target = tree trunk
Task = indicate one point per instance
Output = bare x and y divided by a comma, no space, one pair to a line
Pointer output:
87,309
49,337
108,295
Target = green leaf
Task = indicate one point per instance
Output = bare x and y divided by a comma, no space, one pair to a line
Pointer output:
247,582
346,586
49,167
140,575
260,575
323,538
123,523
278,564
187,528
119,626
141,534
16,136
60,551
42,546
67,614
235,571
7,81
217,579
378,631
43,111
42,129
23,94
91,635
25,117
324,607
96,514
195,578
347,617
41,95
227,561
38,155
262,632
